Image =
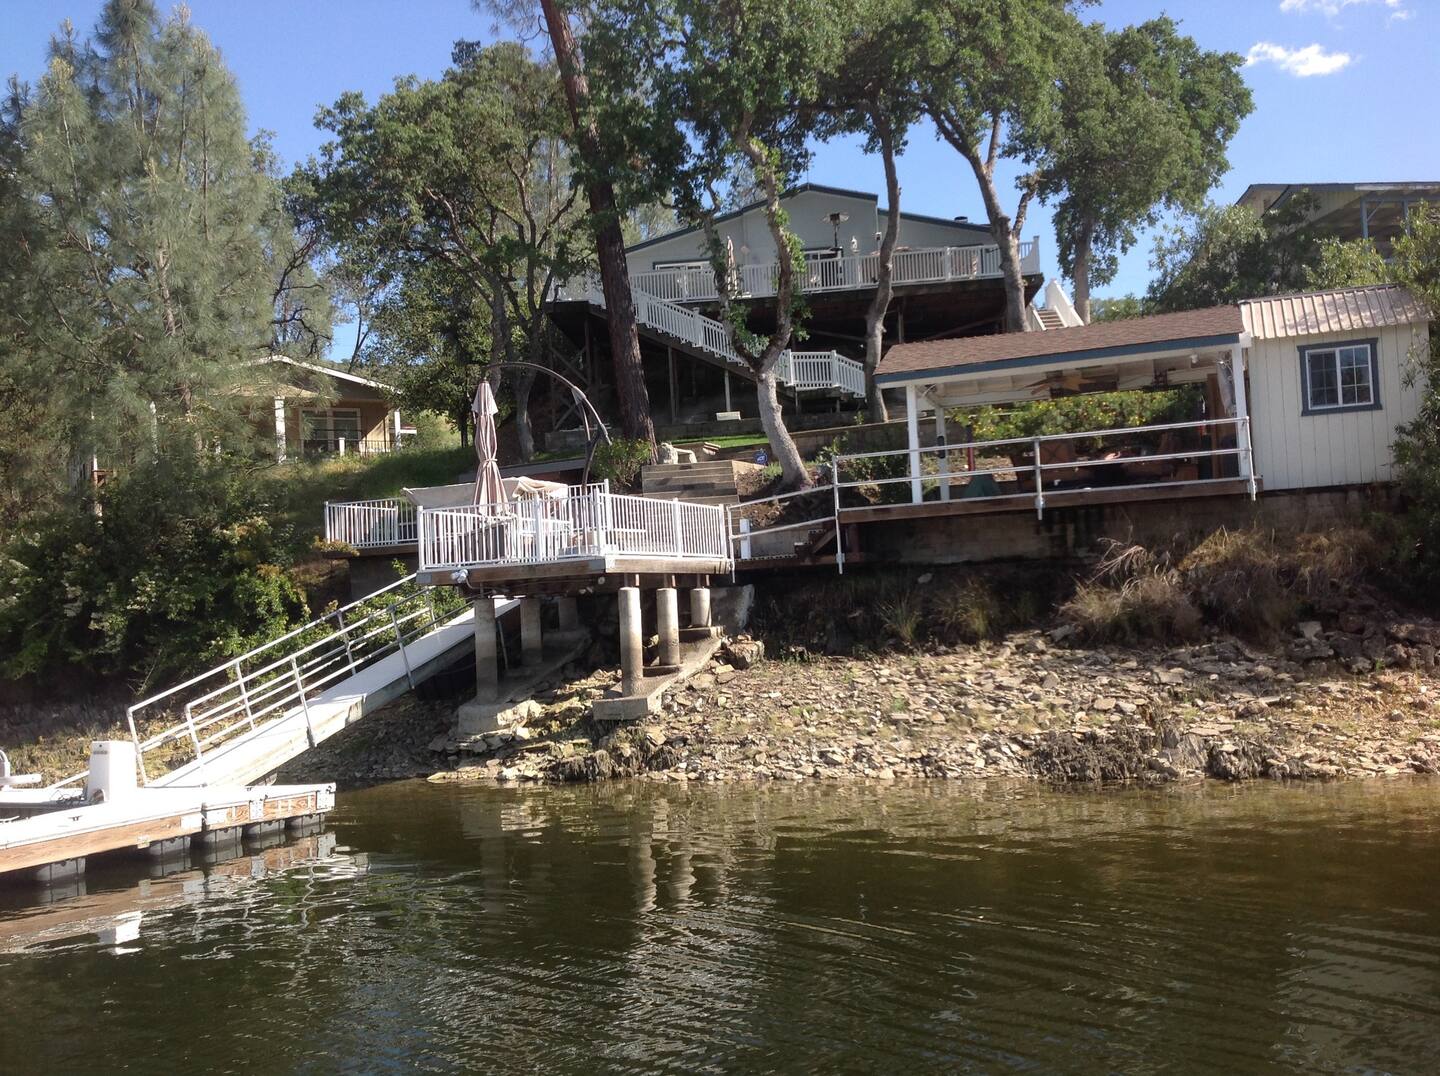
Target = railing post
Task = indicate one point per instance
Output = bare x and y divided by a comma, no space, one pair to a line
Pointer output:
304,702
405,657
744,538
195,741
244,693
679,541
135,738
1039,483
835,490
345,636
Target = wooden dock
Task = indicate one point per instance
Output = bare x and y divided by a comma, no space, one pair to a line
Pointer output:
48,838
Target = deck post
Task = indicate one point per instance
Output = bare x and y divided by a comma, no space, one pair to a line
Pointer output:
279,429
727,390
632,649
1242,417
912,436
699,607
487,667
569,612
532,641
667,624
942,440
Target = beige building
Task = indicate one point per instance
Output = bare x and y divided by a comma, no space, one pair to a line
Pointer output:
318,410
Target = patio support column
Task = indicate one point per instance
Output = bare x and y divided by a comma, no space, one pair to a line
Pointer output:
699,607
667,624
487,668
532,641
912,436
279,429
1246,458
569,613
727,390
941,440
674,388
632,649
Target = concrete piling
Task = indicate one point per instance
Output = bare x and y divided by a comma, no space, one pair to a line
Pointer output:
632,648
667,624
487,667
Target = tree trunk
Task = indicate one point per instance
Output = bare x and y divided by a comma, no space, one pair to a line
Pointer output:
1004,231
524,432
1080,270
884,289
792,465
630,389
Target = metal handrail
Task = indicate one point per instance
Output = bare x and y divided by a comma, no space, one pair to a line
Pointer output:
290,674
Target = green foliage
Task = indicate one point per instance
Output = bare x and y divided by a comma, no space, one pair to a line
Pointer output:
1225,254
1416,264
619,461
1076,414
180,568
1148,116
1119,308
450,200
144,256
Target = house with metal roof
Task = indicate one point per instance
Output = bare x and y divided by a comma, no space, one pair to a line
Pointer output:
1294,392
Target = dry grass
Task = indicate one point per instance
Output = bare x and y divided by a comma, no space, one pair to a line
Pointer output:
1253,582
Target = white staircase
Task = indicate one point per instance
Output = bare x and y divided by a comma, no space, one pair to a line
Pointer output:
798,370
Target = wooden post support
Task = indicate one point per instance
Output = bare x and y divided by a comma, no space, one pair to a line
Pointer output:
487,666
632,648
667,624
674,388
532,642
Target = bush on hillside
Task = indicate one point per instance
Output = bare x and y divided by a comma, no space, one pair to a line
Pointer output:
179,569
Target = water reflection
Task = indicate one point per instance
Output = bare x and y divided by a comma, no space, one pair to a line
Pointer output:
941,926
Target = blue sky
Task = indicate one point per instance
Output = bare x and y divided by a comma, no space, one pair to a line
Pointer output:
1343,88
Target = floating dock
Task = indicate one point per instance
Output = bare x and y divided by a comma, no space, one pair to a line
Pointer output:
48,838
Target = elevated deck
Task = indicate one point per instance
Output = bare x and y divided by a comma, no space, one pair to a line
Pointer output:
581,537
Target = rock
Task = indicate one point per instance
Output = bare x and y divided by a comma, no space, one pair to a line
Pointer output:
1310,650
1103,704
1309,630
1171,677
745,653
724,674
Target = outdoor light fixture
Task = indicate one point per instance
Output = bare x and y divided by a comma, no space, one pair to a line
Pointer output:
836,219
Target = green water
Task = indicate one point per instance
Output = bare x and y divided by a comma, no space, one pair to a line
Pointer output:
920,927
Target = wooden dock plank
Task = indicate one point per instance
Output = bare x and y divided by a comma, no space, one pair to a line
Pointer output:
148,816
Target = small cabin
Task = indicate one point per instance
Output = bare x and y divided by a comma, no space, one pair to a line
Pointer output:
315,409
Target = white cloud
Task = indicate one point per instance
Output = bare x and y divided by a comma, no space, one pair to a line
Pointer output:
1332,8
1302,63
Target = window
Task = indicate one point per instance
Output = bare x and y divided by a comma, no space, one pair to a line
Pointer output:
322,431
680,265
1340,377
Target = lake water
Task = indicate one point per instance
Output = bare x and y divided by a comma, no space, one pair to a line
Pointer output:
916,927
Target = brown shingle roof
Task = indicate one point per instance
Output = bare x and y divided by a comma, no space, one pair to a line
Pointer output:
934,355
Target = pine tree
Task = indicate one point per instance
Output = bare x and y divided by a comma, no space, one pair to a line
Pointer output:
142,237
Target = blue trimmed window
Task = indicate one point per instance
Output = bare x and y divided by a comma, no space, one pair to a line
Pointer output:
1340,377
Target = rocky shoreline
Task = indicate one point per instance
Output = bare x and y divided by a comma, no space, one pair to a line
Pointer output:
1034,706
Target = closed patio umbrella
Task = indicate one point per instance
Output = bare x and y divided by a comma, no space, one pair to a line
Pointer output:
488,488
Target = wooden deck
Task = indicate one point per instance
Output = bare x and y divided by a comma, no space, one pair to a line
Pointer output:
1064,498
577,574
57,832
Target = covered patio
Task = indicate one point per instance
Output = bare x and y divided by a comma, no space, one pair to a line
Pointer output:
1208,455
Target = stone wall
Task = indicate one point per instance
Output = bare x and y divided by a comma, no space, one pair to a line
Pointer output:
1065,531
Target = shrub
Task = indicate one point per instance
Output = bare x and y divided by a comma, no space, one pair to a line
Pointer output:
1238,579
1151,607
179,569
969,612
620,461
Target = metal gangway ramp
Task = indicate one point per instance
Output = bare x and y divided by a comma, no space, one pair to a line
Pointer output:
240,721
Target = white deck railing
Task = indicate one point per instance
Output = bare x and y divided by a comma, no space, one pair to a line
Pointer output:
371,524
277,677
934,265
585,523
1062,462
707,334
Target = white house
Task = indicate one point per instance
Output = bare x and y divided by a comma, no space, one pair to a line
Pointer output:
1296,392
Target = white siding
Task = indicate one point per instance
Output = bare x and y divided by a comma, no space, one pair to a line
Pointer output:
1298,451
